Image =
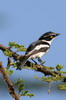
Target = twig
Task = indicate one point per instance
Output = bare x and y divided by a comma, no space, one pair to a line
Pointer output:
9,83
14,54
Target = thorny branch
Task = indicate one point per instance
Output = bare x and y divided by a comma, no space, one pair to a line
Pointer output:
9,83
43,69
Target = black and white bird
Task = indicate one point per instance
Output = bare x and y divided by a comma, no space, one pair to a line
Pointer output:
38,48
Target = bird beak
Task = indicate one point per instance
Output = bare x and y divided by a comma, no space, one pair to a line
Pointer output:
57,34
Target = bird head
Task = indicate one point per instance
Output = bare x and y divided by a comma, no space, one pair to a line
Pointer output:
48,36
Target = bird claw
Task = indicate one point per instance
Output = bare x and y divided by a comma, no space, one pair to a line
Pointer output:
43,63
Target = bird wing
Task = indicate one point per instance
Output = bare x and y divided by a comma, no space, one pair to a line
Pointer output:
40,50
35,44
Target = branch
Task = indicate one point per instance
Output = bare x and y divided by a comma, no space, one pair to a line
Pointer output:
9,83
43,69
14,54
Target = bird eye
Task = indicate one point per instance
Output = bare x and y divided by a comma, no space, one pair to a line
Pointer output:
51,37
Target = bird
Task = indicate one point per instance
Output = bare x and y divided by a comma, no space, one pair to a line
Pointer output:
38,48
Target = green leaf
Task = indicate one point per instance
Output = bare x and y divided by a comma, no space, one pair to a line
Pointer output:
25,93
47,79
15,45
19,81
30,95
51,68
8,53
62,87
58,78
52,78
62,72
15,65
9,72
20,85
21,49
36,77
59,67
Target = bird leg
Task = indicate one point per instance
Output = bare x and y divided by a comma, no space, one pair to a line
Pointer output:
40,61
34,61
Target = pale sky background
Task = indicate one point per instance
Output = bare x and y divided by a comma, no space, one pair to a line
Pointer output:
24,21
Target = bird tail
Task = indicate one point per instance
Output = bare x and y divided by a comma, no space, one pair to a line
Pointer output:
23,61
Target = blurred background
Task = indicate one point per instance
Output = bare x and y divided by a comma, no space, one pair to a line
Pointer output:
24,21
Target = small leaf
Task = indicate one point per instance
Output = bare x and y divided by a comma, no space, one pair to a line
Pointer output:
15,65
19,81
20,85
25,93
36,77
30,95
52,78
62,87
9,72
51,68
62,72
21,49
47,79
15,45
8,53
59,67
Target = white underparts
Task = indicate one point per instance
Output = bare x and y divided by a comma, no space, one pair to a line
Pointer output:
37,55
